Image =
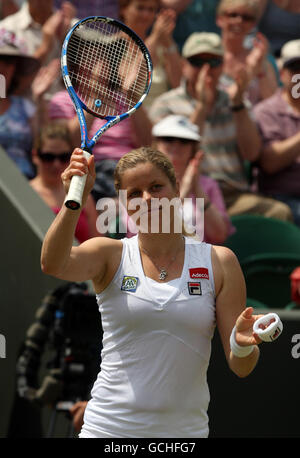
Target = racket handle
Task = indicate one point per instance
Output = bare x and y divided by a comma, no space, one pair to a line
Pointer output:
74,198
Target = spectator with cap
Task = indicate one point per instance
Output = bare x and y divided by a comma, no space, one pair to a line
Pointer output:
278,119
229,135
16,112
179,139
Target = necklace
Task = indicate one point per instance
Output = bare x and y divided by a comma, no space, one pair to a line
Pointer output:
163,272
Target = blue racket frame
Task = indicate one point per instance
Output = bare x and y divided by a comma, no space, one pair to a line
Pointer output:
86,143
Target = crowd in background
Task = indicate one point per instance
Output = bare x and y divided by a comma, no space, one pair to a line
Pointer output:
224,102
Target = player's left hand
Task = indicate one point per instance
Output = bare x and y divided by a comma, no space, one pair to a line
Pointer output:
244,328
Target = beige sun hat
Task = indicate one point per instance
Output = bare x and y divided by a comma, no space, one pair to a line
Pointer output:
202,42
290,52
11,45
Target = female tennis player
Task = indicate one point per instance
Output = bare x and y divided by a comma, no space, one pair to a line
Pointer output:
160,296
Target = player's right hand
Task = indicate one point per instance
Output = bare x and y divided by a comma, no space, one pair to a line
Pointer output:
80,166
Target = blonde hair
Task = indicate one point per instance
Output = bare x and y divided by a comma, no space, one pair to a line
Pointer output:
253,5
144,155
53,130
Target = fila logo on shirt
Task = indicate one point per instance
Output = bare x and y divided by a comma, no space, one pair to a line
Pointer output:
129,283
195,288
199,272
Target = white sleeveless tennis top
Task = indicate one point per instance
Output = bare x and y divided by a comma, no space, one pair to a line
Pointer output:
156,350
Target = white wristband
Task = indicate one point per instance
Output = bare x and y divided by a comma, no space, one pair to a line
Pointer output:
238,350
272,331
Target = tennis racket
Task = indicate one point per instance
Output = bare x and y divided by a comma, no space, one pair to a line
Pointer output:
107,71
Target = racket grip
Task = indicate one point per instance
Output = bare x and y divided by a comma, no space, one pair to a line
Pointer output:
73,200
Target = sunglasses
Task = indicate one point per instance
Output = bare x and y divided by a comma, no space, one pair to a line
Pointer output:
244,17
200,61
184,141
50,157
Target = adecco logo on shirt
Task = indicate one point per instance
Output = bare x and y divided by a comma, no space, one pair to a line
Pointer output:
199,272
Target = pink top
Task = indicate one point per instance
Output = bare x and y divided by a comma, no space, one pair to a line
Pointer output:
113,144
214,194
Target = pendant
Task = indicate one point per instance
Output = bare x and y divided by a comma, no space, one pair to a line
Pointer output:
162,274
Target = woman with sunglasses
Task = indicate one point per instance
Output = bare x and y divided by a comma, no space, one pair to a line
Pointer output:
237,18
51,156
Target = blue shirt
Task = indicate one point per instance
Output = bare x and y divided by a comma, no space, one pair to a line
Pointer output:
16,135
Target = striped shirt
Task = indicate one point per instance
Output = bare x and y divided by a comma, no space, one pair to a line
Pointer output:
222,160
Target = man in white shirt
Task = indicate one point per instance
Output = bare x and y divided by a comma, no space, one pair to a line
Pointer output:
41,27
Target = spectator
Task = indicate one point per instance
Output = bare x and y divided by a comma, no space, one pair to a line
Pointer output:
229,136
51,156
237,18
192,16
280,22
86,8
16,112
42,29
179,139
140,16
278,119
41,89
28,23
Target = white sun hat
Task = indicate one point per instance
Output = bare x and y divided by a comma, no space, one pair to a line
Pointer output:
176,126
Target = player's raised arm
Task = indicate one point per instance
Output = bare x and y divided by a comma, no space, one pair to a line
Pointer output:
59,257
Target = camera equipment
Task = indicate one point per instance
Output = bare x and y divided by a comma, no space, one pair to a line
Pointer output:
68,323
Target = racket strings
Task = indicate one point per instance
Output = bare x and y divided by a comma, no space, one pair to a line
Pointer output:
113,99
107,66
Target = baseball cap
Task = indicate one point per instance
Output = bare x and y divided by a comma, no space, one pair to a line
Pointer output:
176,126
290,52
202,42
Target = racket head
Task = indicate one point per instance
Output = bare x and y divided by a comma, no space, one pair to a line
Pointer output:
106,67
